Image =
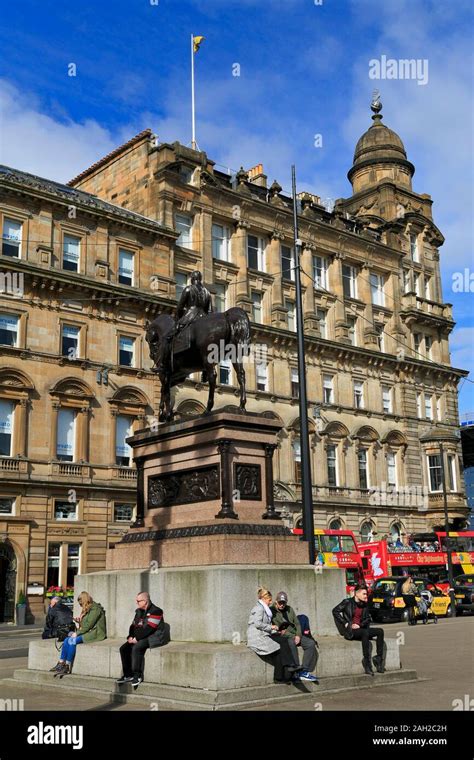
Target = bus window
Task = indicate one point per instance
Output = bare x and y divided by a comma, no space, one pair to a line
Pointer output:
347,544
352,576
330,543
458,543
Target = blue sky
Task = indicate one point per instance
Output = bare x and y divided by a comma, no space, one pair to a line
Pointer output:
303,71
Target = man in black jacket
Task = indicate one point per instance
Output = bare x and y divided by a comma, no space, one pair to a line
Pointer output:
58,614
148,630
353,622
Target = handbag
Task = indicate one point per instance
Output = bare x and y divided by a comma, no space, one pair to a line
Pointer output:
63,631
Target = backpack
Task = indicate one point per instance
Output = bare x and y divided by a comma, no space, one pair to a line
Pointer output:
305,627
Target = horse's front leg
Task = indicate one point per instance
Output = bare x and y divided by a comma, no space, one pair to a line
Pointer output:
164,398
212,377
240,372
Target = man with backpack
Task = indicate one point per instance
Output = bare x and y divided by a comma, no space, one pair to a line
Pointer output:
59,616
148,630
289,626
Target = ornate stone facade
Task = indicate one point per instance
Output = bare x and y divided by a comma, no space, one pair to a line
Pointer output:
376,326
66,387
100,257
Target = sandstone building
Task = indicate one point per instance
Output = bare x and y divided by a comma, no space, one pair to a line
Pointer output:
74,377
101,256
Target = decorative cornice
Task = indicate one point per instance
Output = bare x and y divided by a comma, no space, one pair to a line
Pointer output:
227,529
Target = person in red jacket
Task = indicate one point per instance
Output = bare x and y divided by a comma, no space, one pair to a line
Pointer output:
148,630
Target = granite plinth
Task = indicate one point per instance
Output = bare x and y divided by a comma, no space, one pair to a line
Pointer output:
204,604
205,496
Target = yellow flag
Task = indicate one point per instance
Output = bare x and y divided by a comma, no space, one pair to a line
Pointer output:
196,43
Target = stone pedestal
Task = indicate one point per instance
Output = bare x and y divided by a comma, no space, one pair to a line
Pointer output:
212,604
205,496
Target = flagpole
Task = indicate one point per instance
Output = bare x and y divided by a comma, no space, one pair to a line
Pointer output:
193,140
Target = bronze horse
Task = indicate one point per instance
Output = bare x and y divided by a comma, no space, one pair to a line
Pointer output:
213,337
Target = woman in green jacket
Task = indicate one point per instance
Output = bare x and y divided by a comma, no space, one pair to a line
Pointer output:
92,627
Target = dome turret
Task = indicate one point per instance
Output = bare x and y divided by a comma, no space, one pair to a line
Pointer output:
379,154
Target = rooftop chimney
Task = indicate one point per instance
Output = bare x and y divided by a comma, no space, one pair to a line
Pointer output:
256,175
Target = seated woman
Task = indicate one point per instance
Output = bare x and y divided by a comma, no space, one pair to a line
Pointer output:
92,627
263,639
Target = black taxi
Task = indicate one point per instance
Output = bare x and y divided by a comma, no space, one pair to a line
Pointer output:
464,593
386,599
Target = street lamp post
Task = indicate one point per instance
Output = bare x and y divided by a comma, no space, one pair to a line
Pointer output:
306,486
446,528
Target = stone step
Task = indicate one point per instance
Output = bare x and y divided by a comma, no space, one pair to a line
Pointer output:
203,665
155,696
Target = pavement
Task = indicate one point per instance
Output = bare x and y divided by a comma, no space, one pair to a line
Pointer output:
441,654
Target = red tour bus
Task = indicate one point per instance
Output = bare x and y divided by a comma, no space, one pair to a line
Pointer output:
337,548
422,554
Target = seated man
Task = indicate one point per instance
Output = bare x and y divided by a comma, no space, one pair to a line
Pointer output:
353,622
58,615
148,630
289,626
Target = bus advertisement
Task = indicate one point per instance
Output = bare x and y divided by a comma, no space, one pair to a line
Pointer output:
337,548
422,555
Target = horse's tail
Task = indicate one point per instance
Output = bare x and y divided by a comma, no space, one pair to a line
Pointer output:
239,327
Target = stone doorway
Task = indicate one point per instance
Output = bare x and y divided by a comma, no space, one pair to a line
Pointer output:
8,567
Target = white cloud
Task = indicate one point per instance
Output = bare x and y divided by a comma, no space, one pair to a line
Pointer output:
37,143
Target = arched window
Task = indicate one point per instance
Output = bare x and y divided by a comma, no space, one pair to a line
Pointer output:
294,435
367,443
335,436
395,532
366,530
128,408
335,524
15,392
297,459
395,445
72,399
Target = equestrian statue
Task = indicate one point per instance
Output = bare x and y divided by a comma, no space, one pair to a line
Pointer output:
196,341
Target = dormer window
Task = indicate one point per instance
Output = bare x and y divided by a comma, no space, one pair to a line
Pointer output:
186,173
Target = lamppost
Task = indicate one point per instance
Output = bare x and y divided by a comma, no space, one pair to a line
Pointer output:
446,528
306,486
